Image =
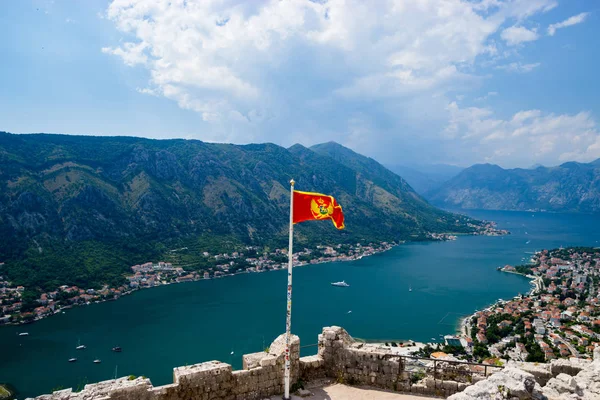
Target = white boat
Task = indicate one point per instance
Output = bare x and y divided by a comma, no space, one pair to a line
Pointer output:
72,359
79,345
349,312
98,361
24,334
341,284
410,289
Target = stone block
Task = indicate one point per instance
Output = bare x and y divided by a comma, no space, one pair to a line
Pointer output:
252,360
268,360
571,366
541,372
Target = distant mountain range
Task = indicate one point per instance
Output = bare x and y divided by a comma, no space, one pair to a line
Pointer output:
570,187
426,177
82,209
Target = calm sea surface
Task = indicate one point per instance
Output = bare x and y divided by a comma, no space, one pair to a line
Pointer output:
175,325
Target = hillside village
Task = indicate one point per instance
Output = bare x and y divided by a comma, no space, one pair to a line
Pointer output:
18,306
560,318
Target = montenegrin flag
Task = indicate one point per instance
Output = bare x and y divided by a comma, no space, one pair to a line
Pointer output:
314,206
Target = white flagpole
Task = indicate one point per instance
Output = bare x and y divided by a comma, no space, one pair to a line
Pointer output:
288,321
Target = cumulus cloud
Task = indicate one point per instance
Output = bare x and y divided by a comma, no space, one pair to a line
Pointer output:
361,73
574,20
529,136
215,57
517,34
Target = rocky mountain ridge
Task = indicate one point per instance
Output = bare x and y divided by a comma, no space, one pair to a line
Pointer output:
569,187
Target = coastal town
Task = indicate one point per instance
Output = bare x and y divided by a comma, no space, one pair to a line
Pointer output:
16,309
17,305
559,318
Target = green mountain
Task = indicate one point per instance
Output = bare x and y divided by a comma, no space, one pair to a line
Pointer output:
82,209
572,187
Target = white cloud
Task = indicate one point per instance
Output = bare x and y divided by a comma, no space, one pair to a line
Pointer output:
149,91
373,75
529,136
131,53
487,96
519,67
574,20
517,34
216,56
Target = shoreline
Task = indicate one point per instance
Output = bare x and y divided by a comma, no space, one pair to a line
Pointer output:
384,246
462,328
132,291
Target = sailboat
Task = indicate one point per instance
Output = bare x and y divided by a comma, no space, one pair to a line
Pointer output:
79,345
410,288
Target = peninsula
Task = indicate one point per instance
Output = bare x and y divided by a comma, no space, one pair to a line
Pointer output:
559,318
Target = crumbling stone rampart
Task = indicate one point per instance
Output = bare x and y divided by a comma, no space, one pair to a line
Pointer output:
342,359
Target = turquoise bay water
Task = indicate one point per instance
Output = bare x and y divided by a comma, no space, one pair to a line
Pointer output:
175,325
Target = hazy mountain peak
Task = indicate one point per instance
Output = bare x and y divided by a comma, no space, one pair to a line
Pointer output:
571,186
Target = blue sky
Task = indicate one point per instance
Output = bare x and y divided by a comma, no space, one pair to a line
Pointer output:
512,82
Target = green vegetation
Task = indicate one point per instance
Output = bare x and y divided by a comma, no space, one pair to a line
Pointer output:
480,351
455,350
494,333
417,376
299,384
535,352
524,269
426,351
78,210
5,392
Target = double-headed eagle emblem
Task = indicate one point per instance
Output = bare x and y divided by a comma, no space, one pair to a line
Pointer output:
320,209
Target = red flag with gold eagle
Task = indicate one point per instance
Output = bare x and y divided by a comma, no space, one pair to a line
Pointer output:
316,206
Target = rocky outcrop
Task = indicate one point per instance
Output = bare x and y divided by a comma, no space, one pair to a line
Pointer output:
572,379
510,383
585,385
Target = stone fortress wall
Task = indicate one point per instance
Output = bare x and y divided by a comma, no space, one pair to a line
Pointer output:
262,376
344,360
